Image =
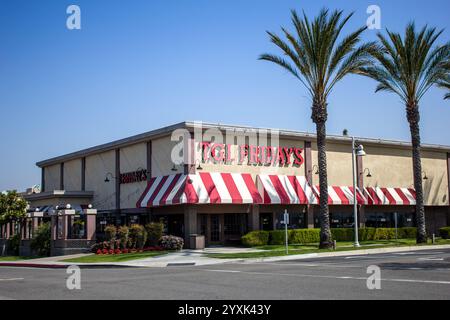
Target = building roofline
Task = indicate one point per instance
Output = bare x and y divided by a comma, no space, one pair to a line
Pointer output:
154,134
58,194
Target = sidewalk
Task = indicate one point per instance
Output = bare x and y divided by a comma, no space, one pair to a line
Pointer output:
197,258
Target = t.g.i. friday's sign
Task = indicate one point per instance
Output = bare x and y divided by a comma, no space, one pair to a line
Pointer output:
220,153
233,147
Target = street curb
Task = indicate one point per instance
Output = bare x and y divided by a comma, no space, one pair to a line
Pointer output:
63,266
345,253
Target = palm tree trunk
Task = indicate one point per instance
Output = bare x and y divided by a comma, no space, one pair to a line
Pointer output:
319,116
413,117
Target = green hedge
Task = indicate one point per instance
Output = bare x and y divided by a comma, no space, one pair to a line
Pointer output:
445,232
303,236
256,238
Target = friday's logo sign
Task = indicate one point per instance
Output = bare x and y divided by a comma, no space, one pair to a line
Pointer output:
132,177
219,153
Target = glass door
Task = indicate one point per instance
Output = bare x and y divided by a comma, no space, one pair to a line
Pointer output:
216,228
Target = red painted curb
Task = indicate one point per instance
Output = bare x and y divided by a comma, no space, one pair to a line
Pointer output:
33,265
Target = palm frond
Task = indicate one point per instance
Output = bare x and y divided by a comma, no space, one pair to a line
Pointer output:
319,55
410,65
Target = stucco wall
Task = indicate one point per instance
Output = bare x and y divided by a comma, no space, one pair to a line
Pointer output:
392,167
436,186
161,157
52,177
339,164
97,166
131,159
72,175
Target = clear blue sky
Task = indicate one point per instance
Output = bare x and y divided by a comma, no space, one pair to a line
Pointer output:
139,65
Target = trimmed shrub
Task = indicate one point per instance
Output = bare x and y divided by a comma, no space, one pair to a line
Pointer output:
14,244
41,240
110,232
138,236
123,233
155,231
445,232
343,234
366,234
277,237
171,243
407,233
302,236
384,234
256,238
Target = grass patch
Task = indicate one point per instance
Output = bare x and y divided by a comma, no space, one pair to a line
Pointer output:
99,258
279,250
17,258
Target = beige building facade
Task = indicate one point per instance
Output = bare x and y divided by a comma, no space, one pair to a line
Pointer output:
115,178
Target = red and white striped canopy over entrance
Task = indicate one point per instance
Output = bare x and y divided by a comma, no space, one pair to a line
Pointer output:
342,195
201,188
390,196
279,189
240,188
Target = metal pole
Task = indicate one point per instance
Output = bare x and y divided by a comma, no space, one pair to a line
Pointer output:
396,224
286,231
355,202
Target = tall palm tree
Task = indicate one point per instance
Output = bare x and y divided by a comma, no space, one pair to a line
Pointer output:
319,58
409,67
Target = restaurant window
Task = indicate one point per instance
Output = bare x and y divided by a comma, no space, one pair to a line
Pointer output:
297,220
234,224
266,221
341,220
387,220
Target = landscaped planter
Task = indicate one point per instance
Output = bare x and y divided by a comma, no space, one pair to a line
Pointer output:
126,251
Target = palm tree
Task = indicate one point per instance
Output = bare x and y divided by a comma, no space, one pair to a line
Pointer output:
446,85
409,67
319,60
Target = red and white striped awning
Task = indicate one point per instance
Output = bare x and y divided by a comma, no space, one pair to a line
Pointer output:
280,189
201,188
342,195
390,196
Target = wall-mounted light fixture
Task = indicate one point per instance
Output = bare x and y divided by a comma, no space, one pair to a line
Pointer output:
369,175
424,175
317,169
199,164
109,174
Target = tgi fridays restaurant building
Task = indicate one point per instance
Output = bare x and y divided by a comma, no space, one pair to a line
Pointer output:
224,189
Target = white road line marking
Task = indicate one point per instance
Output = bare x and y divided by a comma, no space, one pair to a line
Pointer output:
322,265
12,279
431,259
283,264
417,253
228,271
330,277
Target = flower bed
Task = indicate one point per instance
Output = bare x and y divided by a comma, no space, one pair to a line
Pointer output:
125,251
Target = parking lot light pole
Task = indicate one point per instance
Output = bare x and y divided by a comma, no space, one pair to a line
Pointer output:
356,151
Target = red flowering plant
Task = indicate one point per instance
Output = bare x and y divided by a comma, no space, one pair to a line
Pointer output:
105,251
99,251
